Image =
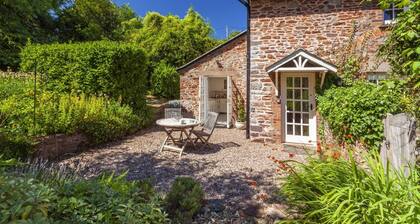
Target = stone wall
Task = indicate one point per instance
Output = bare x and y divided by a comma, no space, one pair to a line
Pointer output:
322,27
228,60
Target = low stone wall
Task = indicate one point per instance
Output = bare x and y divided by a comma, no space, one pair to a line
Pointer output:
55,146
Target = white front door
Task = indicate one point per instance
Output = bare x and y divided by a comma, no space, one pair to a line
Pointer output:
298,106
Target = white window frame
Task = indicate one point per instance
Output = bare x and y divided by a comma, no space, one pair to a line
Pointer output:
393,9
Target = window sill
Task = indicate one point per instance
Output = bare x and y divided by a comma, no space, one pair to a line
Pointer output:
386,25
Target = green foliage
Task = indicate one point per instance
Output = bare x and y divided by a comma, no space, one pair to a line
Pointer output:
31,195
339,191
184,199
165,81
99,118
87,20
115,70
241,111
402,47
173,40
23,20
355,113
349,70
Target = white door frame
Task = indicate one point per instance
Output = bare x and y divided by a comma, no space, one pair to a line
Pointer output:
307,108
203,94
203,98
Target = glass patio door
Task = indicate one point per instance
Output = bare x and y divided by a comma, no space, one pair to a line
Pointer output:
298,106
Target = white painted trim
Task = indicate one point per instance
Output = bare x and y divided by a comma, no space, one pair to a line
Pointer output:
300,66
277,83
312,138
229,102
322,79
309,69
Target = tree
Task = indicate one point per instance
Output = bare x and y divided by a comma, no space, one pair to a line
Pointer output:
25,20
85,20
173,40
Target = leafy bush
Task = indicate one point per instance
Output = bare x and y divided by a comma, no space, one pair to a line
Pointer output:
355,113
41,195
103,68
339,191
99,118
184,200
165,81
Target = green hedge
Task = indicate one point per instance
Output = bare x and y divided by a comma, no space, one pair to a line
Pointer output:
355,113
165,81
102,68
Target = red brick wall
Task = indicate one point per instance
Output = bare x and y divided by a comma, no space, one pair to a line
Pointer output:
229,60
279,27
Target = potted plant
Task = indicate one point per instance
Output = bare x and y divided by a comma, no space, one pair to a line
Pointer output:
240,120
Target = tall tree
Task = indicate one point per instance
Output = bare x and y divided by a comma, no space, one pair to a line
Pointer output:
84,20
173,40
25,20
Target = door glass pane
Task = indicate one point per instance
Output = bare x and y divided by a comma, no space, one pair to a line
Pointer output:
305,130
297,94
305,82
289,105
298,130
290,117
305,118
290,129
305,94
289,82
298,116
297,81
290,94
305,106
297,106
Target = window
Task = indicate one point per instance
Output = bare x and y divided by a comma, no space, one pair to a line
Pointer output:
376,78
391,14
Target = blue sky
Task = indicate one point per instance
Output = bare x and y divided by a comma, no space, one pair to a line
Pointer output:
220,13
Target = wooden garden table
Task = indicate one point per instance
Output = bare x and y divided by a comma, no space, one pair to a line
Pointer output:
171,126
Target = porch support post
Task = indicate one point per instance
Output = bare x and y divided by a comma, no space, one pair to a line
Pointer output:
276,81
323,78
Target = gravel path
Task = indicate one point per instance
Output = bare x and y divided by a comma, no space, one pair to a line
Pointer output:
233,171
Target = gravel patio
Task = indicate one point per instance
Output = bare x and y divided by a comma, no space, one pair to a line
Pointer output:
236,174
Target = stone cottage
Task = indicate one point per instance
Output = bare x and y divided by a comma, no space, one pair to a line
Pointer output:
275,67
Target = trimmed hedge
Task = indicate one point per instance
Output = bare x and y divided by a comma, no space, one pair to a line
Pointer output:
101,68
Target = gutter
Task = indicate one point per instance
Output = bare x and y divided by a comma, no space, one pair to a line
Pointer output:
248,69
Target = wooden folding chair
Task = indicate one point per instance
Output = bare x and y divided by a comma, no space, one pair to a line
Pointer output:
207,129
173,113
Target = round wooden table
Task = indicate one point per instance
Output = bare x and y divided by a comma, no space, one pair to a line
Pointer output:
171,125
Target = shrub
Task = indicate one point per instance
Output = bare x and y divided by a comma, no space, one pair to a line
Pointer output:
99,118
355,113
184,199
40,194
165,81
102,68
339,191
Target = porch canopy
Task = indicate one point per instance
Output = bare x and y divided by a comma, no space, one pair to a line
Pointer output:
302,61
